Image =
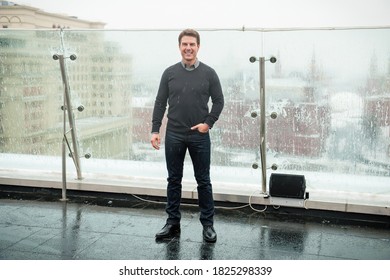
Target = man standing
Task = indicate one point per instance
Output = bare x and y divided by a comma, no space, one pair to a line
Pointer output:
187,87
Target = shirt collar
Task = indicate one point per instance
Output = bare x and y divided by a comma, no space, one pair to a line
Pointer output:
190,67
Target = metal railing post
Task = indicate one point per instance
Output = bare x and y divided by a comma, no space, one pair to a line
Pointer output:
263,148
64,153
67,108
262,125
75,154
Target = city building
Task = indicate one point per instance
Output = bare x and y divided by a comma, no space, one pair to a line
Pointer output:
30,86
376,112
13,15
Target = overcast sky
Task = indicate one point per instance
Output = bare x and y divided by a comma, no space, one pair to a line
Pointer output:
177,14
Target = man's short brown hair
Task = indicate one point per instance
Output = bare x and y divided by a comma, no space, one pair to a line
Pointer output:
190,32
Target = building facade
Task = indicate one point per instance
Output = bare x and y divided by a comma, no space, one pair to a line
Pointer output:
32,91
13,15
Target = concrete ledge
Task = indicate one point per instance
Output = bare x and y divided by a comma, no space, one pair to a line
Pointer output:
223,192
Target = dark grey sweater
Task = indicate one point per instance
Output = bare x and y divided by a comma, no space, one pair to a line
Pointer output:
187,94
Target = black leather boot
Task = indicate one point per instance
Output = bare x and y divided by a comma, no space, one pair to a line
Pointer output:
209,234
168,231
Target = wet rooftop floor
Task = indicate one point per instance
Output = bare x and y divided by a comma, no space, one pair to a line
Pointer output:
56,230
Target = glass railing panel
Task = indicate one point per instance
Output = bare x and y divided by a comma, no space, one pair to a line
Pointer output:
30,95
330,90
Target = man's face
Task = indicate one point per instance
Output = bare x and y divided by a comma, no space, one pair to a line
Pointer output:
188,49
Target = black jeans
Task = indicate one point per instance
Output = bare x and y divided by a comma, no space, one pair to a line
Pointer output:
198,145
